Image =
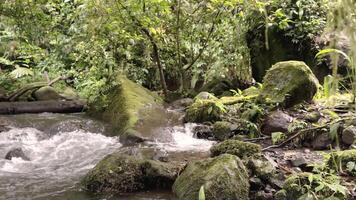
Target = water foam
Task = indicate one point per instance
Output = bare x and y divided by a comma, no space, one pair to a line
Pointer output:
182,139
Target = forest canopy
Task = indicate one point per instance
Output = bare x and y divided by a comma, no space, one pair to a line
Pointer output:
174,46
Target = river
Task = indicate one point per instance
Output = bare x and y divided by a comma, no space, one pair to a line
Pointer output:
62,148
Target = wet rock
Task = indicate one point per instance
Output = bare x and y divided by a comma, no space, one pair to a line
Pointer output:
261,168
277,181
312,117
277,121
182,103
132,136
237,148
224,130
223,177
289,83
6,122
16,153
298,162
322,142
205,96
262,195
4,128
77,124
202,131
118,173
349,135
46,93
256,184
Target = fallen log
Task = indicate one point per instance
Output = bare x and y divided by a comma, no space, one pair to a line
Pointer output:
10,108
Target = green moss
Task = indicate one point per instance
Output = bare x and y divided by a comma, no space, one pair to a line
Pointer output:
342,157
115,174
204,110
118,173
235,147
280,195
223,177
289,83
128,102
222,130
261,167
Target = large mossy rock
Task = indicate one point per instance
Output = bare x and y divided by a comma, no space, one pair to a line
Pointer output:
289,83
236,147
46,93
118,173
223,177
129,106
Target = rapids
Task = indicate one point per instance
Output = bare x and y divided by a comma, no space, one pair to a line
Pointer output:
62,148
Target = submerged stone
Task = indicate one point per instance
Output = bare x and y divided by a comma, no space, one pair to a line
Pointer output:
118,173
235,147
289,83
16,153
223,177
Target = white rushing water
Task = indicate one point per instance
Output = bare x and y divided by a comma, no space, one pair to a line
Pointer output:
54,161
63,148
181,138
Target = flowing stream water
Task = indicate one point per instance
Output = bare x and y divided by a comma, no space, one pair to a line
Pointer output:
62,148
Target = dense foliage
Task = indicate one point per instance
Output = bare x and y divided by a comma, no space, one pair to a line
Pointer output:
164,45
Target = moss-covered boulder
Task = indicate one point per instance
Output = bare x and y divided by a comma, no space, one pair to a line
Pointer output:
46,93
119,173
204,111
236,147
344,158
223,177
301,186
289,83
261,168
129,106
223,130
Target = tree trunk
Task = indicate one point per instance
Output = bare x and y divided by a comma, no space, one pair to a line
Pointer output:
9,108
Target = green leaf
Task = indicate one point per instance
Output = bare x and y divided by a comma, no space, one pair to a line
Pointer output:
334,131
201,193
320,187
210,109
19,72
5,61
325,52
351,166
